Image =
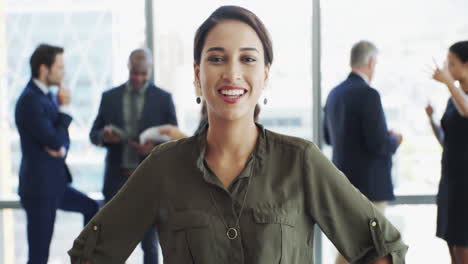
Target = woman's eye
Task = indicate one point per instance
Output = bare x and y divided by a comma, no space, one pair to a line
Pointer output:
215,59
249,59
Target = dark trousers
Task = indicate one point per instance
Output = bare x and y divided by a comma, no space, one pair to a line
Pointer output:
40,215
149,244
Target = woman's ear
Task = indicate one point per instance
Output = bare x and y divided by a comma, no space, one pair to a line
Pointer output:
196,82
267,71
267,74
196,71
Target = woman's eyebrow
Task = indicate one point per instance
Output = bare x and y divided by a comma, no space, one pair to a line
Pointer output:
215,49
241,49
248,48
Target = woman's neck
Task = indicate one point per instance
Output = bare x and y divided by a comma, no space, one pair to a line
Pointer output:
231,138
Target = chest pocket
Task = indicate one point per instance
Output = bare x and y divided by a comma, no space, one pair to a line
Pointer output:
191,238
275,235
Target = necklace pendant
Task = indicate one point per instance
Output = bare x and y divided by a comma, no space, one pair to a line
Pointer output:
231,233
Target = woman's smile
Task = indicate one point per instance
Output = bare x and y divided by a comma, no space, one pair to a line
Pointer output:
231,94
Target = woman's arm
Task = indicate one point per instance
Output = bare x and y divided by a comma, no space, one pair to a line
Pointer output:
459,97
115,231
438,132
358,230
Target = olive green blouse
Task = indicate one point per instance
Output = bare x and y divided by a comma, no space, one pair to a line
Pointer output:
286,188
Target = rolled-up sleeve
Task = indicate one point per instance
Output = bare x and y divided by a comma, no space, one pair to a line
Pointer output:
114,232
351,222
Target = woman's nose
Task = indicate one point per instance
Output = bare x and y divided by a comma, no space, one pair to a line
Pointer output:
232,72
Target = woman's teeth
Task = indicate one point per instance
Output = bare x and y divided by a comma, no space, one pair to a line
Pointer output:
232,92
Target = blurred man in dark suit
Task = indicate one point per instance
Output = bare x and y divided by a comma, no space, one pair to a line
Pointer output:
42,120
125,112
355,126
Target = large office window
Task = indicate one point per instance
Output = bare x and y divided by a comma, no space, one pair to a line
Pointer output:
97,40
98,37
408,40
289,108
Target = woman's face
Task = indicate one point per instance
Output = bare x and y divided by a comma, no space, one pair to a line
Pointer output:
232,71
456,67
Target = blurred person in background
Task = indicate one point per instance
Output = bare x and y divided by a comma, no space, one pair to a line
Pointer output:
355,126
124,113
42,119
452,134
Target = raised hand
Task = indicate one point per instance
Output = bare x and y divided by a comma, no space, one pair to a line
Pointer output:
63,95
442,74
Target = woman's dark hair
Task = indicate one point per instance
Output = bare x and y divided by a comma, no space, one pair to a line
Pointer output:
43,54
232,13
460,49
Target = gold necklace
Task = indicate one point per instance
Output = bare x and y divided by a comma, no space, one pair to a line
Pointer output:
232,232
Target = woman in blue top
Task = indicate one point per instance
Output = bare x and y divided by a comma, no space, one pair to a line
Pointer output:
452,134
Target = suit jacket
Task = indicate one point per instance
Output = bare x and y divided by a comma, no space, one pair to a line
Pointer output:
41,125
158,109
355,126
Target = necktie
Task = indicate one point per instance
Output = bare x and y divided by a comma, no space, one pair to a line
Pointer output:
133,114
51,97
132,155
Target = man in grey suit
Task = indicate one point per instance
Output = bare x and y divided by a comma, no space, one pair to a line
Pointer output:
124,113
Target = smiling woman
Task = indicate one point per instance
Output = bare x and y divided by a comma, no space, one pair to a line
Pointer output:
241,43
231,70
244,194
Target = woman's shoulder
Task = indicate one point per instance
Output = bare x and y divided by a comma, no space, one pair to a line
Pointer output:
291,148
175,147
278,139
